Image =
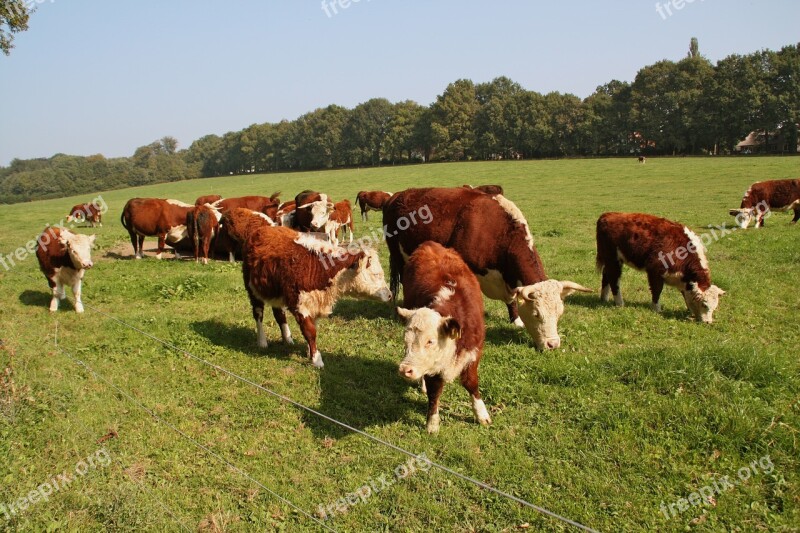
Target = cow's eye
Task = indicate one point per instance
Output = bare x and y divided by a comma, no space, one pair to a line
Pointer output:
429,343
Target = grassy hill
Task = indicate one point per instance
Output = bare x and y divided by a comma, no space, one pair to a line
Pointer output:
635,409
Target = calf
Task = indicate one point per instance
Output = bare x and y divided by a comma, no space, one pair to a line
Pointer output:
763,197
444,326
208,199
311,211
86,213
165,219
63,258
341,217
669,252
236,226
202,224
286,269
642,159
371,201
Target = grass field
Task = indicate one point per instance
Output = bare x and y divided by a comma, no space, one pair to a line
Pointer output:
634,410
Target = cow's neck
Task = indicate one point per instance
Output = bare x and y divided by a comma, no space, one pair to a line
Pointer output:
523,265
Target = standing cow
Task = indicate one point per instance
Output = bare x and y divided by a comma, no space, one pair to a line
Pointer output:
283,268
202,224
63,258
492,236
371,201
669,252
311,211
765,196
148,217
236,226
90,213
444,326
341,217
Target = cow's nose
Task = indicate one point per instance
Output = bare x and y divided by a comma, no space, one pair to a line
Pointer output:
406,371
552,344
88,265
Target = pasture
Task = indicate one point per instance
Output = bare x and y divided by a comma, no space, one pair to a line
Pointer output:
634,410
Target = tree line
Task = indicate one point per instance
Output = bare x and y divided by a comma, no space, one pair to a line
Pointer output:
684,107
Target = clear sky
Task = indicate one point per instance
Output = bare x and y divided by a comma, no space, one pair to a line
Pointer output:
107,76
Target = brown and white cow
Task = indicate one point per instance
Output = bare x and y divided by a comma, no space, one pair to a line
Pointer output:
285,214
765,196
371,201
668,251
341,217
208,199
283,268
236,226
488,189
311,211
202,224
444,326
492,236
154,217
264,204
642,159
63,258
90,213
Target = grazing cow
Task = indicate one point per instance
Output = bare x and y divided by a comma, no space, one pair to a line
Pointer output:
444,326
236,226
208,199
265,204
283,268
642,159
341,217
488,189
202,224
311,211
669,252
765,196
86,213
148,217
492,236
64,257
371,201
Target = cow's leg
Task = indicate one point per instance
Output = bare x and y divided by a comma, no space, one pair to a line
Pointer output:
796,214
162,242
364,217
134,241
206,248
76,292
308,326
612,271
656,282
434,385
513,314
258,315
140,249
56,291
469,378
280,317
760,222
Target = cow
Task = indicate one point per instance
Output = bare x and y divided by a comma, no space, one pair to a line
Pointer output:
63,258
492,236
236,226
208,199
265,204
202,224
285,214
642,159
284,268
488,189
341,217
371,201
668,251
765,196
90,213
148,217
444,334
311,211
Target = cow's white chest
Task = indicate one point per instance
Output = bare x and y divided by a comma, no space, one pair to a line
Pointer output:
177,233
494,286
67,276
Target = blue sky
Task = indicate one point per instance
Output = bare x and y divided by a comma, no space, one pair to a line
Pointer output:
102,76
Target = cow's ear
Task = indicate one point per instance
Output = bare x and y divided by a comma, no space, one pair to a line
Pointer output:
405,314
450,327
734,212
522,294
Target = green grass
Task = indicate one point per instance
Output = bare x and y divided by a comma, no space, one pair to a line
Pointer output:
633,410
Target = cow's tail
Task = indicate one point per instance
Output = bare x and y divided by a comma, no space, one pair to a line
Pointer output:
194,220
123,220
604,244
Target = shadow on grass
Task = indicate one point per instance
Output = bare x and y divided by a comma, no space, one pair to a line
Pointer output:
243,339
36,298
351,309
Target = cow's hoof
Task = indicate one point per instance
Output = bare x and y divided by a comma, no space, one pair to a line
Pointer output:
433,424
656,307
78,308
481,414
519,323
316,360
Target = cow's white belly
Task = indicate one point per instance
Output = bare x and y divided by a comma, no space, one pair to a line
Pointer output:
67,276
176,234
494,286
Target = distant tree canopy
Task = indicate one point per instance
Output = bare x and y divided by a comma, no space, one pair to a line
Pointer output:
14,15
685,107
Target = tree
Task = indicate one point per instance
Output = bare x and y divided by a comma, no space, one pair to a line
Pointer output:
452,128
694,48
14,15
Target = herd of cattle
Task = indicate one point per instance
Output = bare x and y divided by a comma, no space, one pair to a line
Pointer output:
474,241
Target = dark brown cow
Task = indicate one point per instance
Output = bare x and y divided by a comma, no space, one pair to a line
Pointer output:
669,252
149,217
341,217
311,211
492,236
208,199
90,213
63,258
371,201
487,189
444,326
202,224
283,268
285,214
255,203
642,159
765,196
236,226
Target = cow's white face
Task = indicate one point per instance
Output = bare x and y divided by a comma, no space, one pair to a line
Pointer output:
702,304
369,280
540,307
320,212
430,341
743,216
79,248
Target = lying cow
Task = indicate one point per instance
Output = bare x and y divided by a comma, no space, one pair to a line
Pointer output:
371,201
488,189
63,258
208,199
202,224
264,204
444,326
492,236
282,268
669,252
86,213
154,217
311,211
340,217
765,196
236,226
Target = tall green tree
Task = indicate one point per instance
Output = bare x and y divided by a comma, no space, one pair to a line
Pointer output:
452,127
